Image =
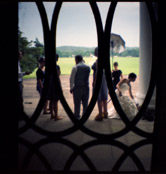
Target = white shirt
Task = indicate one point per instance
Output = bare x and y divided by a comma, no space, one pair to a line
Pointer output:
20,74
73,74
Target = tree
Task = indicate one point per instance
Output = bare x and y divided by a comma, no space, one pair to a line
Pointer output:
30,54
38,43
23,42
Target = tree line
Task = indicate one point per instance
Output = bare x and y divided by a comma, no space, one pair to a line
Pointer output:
69,51
31,54
33,50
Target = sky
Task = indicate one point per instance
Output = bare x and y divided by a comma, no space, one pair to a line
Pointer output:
76,23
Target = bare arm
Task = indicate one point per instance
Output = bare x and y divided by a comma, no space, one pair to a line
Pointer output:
130,92
121,76
118,85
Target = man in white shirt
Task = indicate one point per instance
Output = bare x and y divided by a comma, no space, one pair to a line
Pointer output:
20,85
79,85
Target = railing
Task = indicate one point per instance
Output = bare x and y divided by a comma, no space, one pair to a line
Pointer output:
103,36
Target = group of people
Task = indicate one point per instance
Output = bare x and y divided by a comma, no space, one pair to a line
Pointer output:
79,88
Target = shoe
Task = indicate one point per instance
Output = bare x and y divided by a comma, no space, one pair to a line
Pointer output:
99,117
105,115
58,118
52,117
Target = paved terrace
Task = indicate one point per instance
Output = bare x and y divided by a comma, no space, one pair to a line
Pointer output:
103,157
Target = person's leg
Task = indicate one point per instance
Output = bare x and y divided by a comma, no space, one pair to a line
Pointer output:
52,109
100,104
99,117
77,103
49,106
45,108
105,109
56,111
85,99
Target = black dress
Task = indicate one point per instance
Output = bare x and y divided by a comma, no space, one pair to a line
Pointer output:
52,92
116,77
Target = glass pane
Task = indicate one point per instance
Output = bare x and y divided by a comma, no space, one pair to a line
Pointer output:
124,56
76,35
32,46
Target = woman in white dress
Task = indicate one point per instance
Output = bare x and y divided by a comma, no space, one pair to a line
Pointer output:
127,103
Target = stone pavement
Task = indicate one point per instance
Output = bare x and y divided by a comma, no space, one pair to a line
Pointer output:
102,156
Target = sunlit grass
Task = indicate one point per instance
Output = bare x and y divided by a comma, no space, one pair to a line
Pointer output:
126,65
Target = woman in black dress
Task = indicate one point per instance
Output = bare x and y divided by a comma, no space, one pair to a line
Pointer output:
53,94
116,74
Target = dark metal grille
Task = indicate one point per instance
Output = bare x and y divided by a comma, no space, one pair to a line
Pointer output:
103,36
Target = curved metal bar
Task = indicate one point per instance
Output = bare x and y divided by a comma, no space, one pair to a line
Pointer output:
73,157
107,64
153,73
153,69
54,72
126,154
50,67
104,45
120,111
104,62
99,28
34,149
115,143
40,105
38,153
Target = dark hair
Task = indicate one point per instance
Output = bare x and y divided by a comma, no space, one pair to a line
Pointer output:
79,58
132,76
115,63
41,60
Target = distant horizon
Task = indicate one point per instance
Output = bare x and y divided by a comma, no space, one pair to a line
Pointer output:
92,46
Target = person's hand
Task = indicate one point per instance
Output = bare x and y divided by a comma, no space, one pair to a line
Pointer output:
71,91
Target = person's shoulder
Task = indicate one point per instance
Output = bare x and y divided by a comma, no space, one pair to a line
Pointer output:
38,70
74,68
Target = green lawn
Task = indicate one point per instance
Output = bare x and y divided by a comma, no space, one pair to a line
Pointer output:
126,64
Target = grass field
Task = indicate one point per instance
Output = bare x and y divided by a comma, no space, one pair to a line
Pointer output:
126,64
